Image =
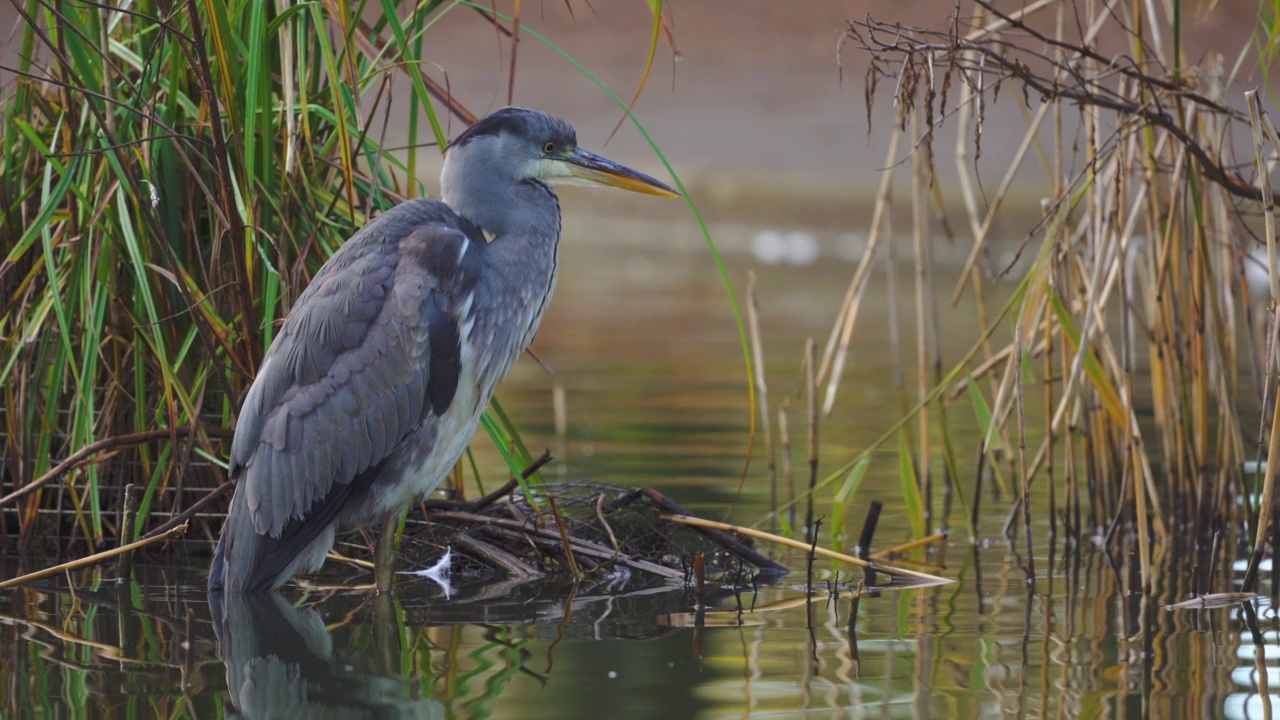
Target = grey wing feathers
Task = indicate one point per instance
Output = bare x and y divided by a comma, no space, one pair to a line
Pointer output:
369,352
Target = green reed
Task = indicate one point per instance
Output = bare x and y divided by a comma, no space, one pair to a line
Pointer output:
170,178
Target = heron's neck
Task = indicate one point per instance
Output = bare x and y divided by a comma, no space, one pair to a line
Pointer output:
526,209
525,227
520,275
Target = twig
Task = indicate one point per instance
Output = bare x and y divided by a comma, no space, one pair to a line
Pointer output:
1084,90
907,547
127,517
338,557
80,456
582,547
90,560
493,497
497,556
613,540
723,539
190,512
1212,600
565,543
824,552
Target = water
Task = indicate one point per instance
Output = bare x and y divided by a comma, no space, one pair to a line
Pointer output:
641,337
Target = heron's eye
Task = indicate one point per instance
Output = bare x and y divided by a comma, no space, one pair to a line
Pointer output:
549,148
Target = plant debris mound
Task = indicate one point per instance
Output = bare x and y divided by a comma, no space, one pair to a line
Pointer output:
592,531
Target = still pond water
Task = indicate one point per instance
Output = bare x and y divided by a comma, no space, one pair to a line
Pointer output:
642,339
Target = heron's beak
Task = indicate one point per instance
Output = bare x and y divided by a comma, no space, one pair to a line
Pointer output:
595,170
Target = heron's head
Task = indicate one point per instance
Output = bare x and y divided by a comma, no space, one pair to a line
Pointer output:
516,144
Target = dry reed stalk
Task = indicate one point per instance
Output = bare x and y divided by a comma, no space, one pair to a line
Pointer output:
1126,362
1047,387
89,560
128,514
1256,114
811,400
1097,210
1057,178
1178,317
1268,132
807,547
563,531
904,548
980,237
1199,354
1167,346
1022,455
967,100
1225,350
1064,361
1011,366
1268,203
835,354
1119,418
762,387
354,562
1141,495
1034,305
788,471
924,302
1001,23
891,318
81,457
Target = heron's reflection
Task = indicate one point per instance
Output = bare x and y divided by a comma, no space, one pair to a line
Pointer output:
280,663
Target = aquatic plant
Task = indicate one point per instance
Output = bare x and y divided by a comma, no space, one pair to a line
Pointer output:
1157,219
171,175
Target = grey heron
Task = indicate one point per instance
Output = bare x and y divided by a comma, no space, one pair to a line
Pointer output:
375,384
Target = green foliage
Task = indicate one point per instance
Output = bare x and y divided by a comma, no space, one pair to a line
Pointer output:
843,499
910,487
1266,40
170,178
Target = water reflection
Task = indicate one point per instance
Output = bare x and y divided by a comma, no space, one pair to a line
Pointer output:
1079,646
280,662
663,404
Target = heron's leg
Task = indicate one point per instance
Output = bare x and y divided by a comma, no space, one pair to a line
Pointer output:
384,556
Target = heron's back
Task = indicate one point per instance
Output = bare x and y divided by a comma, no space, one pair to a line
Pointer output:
376,382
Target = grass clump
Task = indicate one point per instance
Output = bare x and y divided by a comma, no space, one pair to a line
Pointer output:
171,174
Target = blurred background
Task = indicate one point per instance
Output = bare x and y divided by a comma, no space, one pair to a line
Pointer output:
764,116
